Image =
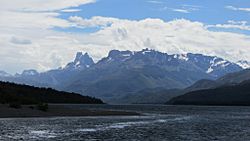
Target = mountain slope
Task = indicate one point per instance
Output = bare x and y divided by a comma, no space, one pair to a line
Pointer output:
236,77
10,92
225,95
228,79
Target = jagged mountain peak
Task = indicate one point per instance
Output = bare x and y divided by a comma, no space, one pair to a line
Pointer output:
81,57
81,61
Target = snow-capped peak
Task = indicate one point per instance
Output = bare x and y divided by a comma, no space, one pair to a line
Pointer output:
243,64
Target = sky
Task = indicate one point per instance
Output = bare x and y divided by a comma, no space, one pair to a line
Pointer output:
46,34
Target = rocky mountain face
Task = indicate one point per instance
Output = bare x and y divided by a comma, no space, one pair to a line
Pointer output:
124,73
81,62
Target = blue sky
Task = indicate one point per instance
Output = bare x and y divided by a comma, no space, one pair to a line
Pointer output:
46,34
208,11
205,11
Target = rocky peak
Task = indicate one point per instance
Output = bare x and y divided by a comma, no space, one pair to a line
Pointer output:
81,61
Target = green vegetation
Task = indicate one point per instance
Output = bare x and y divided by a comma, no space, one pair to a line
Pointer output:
12,94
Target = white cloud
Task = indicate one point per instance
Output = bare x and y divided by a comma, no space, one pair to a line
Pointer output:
24,28
93,22
20,40
41,5
181,10
238,8
36,13
24,20
155,2
242,25
237,22
184,8
70,10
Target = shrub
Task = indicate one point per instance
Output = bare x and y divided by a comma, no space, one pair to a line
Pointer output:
32,107
15,105
43,107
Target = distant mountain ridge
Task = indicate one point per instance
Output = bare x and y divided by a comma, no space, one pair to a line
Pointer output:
203,85
228,95
52,78
4,74
123,73
230,89
228,79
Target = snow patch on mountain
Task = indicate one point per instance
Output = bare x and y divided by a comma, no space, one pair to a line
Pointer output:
145,51
183,57
209,70
243,64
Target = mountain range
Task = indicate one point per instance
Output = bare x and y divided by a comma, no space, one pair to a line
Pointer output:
52,78
130,77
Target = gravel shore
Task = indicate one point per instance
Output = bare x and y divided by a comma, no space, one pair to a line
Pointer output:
57,111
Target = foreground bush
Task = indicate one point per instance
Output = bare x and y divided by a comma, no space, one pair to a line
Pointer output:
43,107
28,95
15,105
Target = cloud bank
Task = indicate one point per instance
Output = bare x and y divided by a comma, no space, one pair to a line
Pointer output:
28,38
177,36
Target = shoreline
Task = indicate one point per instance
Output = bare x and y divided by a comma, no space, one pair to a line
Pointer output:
60,110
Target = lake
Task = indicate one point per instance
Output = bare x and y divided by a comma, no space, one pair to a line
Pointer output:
158,123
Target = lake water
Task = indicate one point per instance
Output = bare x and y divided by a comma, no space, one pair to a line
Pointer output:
158,123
